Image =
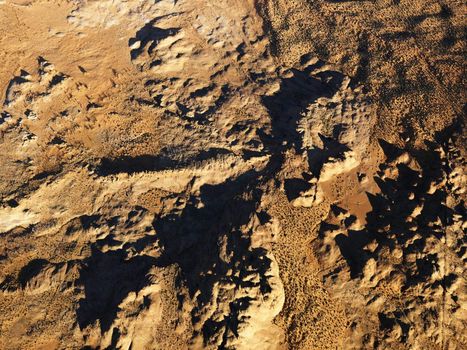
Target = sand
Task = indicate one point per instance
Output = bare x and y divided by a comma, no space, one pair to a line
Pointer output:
232,175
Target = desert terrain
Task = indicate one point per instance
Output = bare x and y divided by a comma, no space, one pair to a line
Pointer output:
233,174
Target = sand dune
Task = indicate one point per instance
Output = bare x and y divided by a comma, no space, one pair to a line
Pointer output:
232,175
